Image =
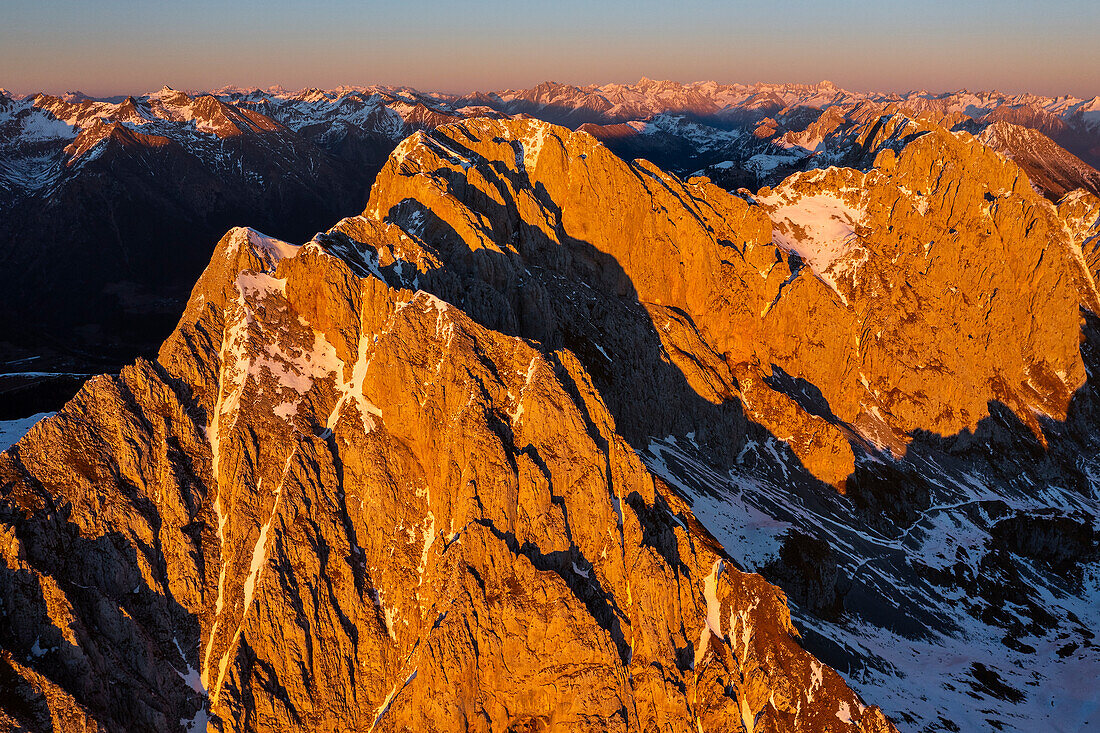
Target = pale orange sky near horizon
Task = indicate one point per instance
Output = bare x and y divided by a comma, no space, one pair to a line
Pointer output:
123,46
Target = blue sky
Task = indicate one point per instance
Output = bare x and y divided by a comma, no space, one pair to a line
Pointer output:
113,46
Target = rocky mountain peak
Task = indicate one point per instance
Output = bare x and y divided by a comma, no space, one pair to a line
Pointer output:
802,256
500,452
302,398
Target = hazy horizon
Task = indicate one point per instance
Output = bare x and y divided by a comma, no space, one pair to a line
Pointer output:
121,93
117,47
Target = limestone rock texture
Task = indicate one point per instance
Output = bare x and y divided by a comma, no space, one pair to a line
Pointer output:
336,504
446,466
909,296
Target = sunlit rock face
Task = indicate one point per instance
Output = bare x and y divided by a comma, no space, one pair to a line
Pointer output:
499,453
909,296
337,503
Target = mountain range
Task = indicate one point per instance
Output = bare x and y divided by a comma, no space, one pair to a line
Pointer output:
715,408
82,179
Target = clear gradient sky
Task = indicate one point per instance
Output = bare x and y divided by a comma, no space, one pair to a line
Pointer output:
106,47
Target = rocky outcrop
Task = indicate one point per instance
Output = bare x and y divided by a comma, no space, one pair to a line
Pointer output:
911,333
908,297
1081,212
333,503
394,478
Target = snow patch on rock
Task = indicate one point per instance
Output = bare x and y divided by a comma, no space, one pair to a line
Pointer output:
819,228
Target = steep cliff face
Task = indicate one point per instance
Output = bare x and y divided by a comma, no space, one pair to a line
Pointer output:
909,296
494,455
954,281
915,333
336,504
